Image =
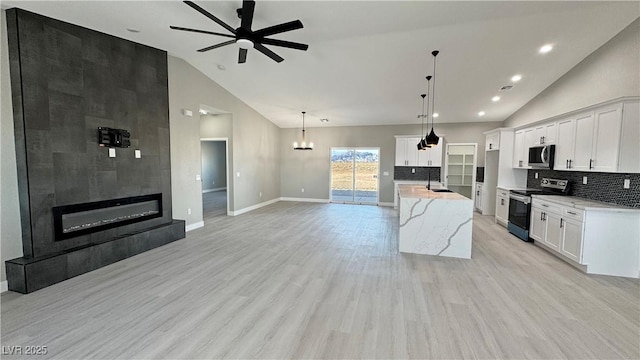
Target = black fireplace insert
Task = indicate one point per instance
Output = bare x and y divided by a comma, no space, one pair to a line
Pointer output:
80,219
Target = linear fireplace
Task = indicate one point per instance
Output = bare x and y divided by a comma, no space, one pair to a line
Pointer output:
80,219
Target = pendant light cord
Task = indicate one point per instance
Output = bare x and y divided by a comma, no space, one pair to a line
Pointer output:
434,53
428,99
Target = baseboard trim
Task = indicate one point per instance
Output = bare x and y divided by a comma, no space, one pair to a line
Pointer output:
326,201
194,226
4,286
386,204
212,190
253,207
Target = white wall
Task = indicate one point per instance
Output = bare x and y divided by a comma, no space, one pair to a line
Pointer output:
610,72
10,232
311,169
254,148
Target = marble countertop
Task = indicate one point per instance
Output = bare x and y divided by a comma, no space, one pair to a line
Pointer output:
421,192
584,204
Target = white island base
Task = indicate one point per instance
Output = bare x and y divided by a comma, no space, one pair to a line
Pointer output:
434,223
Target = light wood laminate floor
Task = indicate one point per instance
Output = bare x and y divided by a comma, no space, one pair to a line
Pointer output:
300,280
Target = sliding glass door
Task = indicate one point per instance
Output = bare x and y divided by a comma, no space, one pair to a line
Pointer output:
354,175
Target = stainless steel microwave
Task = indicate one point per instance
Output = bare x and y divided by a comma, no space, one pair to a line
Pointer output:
542,156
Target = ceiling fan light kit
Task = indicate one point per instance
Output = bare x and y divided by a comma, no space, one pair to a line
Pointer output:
303,145
246,38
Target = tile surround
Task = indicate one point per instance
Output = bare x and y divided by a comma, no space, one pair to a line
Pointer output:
605,187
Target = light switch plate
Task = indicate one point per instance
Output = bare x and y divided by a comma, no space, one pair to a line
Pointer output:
198,177
627,183
385,173
413,171
112,152
137,153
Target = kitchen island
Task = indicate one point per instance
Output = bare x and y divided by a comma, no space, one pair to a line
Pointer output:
434,223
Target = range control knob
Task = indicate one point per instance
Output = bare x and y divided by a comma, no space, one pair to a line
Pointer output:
545,181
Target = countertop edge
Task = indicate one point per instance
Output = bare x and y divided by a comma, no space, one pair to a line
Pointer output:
593,206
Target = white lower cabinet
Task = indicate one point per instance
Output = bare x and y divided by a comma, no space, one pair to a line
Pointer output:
558,228
502,206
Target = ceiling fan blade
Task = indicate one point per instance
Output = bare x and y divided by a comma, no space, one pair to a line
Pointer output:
283,43
210,16
217,46
242,56
247,14
268,52
200,31
280,28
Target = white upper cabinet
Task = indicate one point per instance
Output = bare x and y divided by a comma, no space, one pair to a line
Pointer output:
431,156
407,153
629,160
519,148
564,147
492,141
604,139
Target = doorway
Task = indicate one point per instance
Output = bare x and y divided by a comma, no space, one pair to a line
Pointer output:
215,165
355,175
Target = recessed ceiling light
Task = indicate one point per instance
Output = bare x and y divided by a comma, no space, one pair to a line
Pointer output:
481,113
221,67
435,115
516,78
545,49
133,30
495,98
324,120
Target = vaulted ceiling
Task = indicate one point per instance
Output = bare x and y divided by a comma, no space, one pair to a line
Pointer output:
367,60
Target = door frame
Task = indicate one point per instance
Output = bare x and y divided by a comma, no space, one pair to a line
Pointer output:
226,155
354,148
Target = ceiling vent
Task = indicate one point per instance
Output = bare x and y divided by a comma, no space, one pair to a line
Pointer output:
506,88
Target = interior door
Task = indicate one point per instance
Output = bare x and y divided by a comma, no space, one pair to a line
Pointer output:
355,175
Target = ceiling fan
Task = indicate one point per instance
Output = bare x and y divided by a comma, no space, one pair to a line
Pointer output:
244,36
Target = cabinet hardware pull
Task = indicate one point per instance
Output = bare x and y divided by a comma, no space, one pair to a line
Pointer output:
590,164
567,166
478,193
543,140
501,201
544,205
541,216
572,213
561,222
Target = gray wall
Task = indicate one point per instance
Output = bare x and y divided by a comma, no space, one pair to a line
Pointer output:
214,165
254,148
610,72
311,169
10,233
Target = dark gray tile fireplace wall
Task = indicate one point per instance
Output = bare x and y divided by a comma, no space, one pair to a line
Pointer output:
605,187
66,82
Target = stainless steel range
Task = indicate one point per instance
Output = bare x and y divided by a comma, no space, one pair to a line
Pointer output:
520,205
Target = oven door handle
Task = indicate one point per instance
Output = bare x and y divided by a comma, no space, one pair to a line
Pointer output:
524,199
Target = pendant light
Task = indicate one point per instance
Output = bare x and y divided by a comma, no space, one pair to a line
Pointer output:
432,138
422,144
303,144
424,140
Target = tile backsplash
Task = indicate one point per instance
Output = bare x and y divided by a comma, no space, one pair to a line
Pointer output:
605,187
422,173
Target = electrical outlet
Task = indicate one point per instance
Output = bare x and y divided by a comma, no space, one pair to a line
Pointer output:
302,190
189,211
238,174
536,175
413,171
385,173
213,182
627,183
112,152
198,177
137,154
260,193
584,180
